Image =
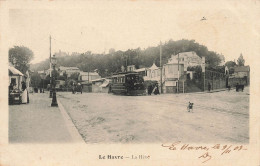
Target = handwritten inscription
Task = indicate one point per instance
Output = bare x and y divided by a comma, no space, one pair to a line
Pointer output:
206,155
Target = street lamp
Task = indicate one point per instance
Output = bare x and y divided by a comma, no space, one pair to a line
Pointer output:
54,99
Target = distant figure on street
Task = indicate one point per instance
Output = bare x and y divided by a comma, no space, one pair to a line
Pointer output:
156,90
209,87
79,88
109,88
73,88
228,87
150,89
237,87
24,93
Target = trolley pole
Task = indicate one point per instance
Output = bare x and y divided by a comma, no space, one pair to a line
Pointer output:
161,66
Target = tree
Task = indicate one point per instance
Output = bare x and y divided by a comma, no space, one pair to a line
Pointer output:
230,64
112,62
20,57
35,79
212,59
240,60
111,51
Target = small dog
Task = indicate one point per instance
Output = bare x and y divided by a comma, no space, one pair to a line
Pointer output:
190,107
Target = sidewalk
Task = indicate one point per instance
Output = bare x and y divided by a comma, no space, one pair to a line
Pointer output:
38,122
211,91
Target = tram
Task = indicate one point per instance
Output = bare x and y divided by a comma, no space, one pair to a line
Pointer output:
129,83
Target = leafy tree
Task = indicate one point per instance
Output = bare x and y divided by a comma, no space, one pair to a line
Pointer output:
212,59
240,60
112,51
112,62
230,64
231,70
20,57
54,74
35,79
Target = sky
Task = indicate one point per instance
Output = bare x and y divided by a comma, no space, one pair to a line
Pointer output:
229,28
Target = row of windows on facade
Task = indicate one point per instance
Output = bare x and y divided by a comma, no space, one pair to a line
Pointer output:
124,79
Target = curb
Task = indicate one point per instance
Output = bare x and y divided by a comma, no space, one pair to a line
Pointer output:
76,137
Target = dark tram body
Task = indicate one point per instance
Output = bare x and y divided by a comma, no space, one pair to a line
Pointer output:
129,83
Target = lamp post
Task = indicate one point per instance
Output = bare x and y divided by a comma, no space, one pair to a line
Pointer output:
54,99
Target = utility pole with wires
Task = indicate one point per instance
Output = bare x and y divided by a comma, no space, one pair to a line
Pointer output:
178,75
161,66
88,74
50,72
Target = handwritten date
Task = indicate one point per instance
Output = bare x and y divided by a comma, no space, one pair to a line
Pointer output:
206,156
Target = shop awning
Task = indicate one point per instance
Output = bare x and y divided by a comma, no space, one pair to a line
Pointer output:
105,84
14,71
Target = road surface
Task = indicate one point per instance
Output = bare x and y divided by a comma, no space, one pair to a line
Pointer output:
106,118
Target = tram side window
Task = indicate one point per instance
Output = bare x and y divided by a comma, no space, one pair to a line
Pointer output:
128,79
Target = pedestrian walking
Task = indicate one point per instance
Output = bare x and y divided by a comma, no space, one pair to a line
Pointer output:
209,87
237,87
79,89
73,88
150,89
156,90
24,93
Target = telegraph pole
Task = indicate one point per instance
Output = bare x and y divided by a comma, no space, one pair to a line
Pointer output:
178,75
203,66
88,74
161,66
50,72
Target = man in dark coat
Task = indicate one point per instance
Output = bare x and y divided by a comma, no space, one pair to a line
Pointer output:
150,89
209,87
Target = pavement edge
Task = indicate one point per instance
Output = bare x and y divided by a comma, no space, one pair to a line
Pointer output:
70,126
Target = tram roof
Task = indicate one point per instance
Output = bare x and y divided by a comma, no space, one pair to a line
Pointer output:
124,73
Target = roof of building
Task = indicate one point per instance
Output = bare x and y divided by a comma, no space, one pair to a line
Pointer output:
14,71
139,70
89,73
191,58
241,69
153,67
98,80
174,63
68,68
42,72
189,54
105,84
